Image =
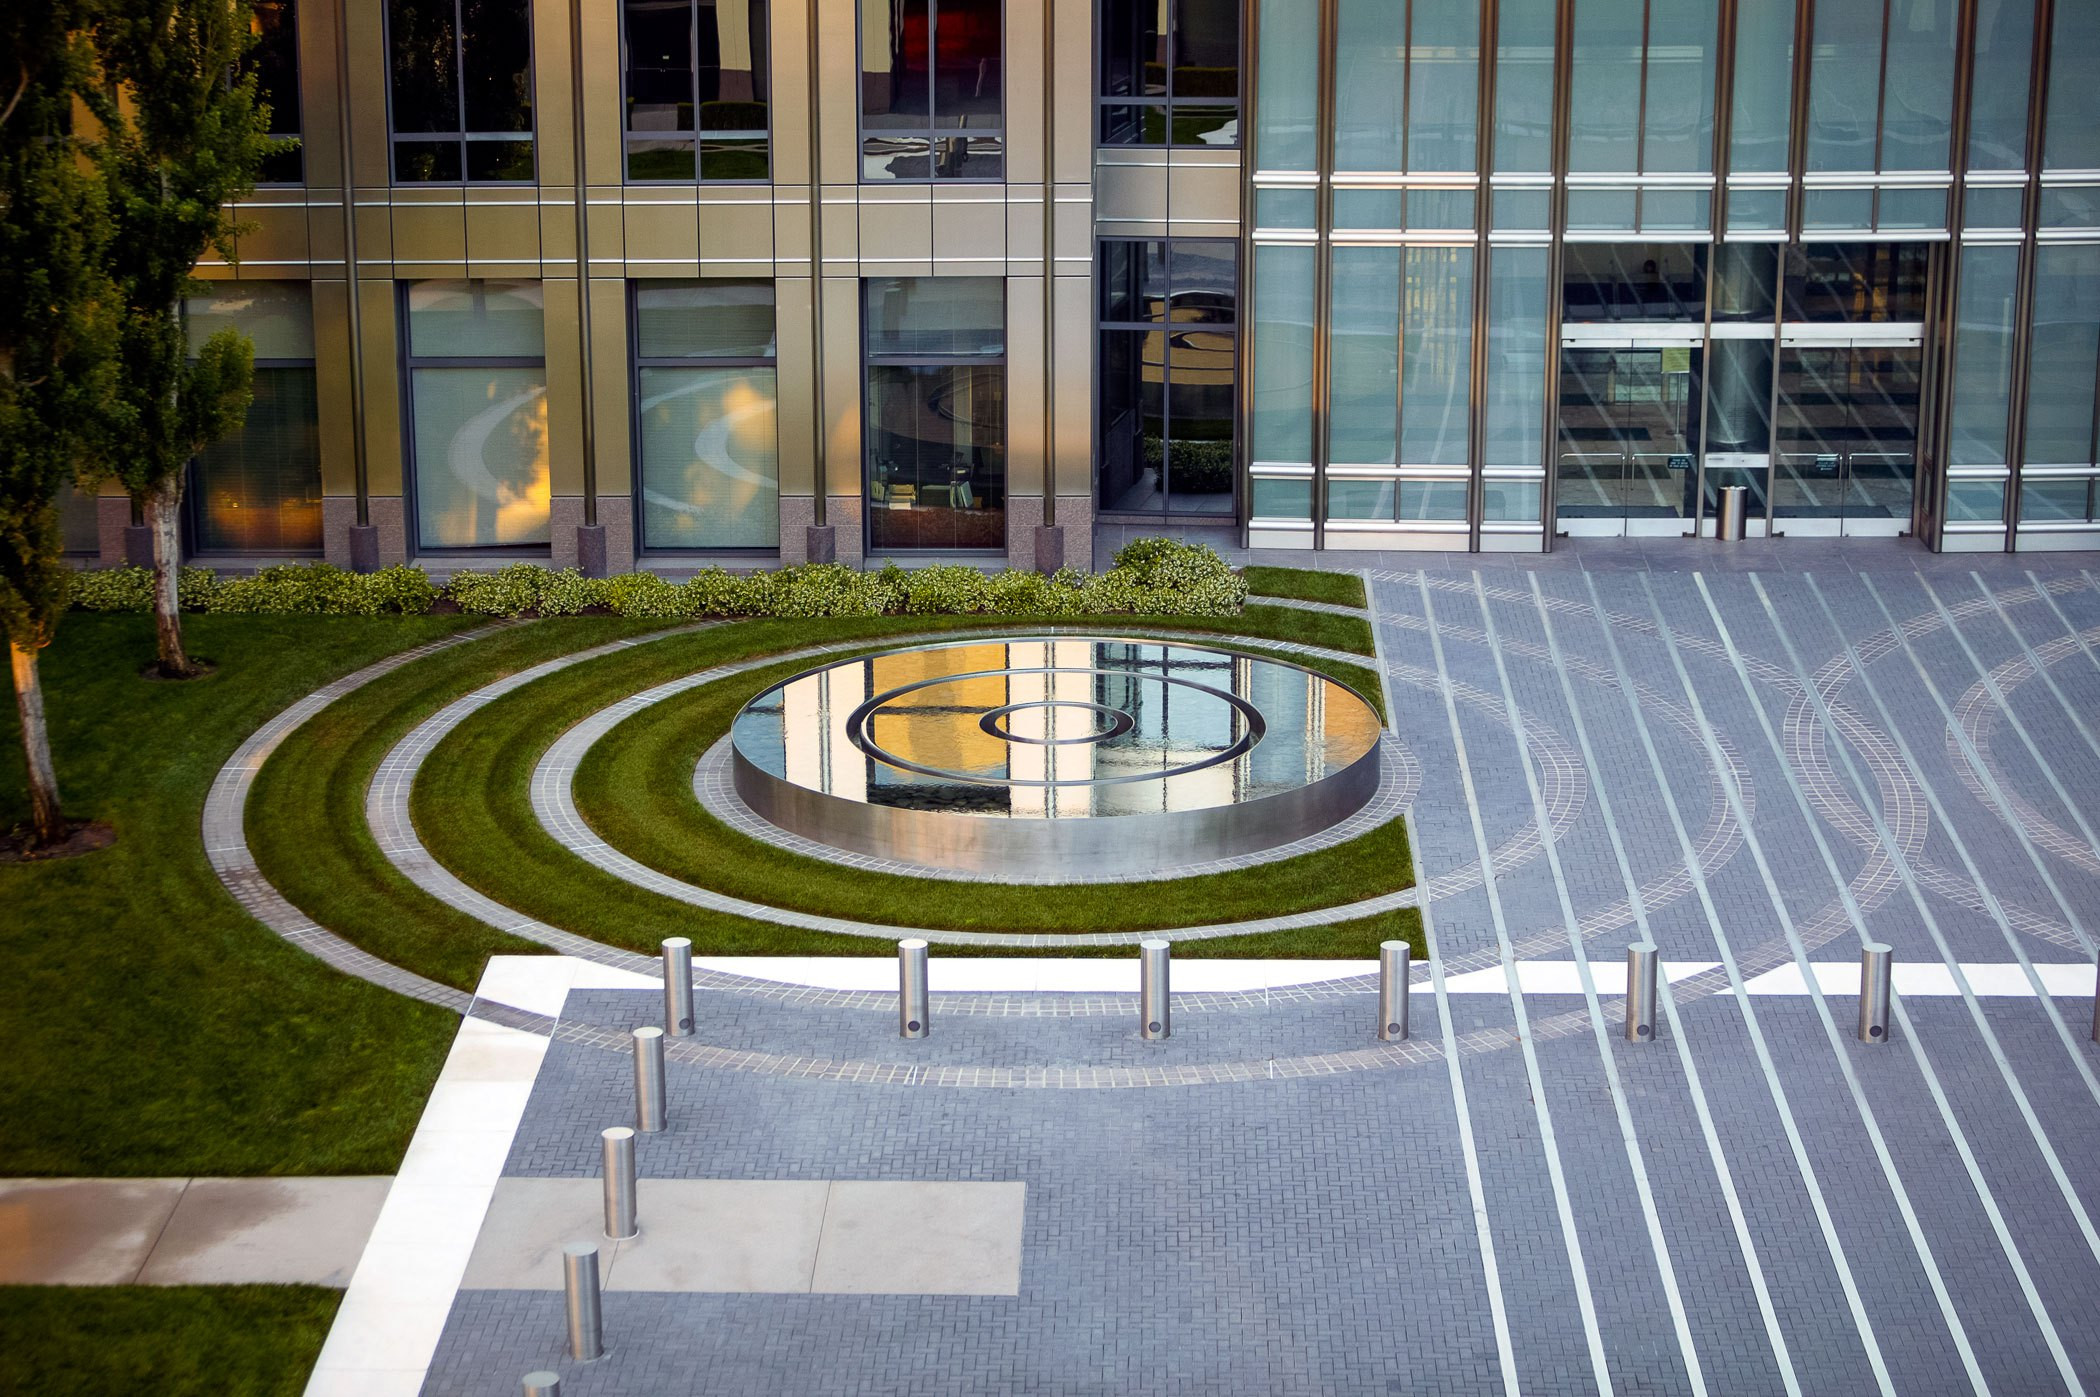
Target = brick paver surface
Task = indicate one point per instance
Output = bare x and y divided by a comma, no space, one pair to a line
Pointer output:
1783,1209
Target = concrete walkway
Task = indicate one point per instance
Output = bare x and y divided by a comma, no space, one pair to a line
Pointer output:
185,1231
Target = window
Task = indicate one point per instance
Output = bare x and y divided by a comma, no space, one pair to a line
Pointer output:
696,90
1168,366
932,89
706,441
1170,72
275,62
258,489
477,419
462,90
1855,283
936,412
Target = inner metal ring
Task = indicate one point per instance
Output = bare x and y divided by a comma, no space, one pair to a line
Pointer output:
1253,727
1119,722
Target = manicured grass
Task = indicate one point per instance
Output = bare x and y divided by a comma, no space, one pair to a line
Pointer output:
1323,628
306,815
154,1028
1305,584
173,1341
635,788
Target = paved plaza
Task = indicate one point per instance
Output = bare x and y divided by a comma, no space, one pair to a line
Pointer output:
1755,768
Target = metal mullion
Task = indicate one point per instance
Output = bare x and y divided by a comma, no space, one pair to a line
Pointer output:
1243,274
1944,310
1797,116
1556,256
1640,119
459,89
1881,101
1477,356
2023,297
1323,267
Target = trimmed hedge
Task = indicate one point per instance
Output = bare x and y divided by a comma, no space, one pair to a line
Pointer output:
1152,575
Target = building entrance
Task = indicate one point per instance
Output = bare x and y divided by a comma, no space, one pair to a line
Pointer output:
1846,441
1629,438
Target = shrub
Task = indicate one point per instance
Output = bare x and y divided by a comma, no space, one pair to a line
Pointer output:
1154,575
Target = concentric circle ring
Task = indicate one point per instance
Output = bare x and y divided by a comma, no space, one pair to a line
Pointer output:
1119,722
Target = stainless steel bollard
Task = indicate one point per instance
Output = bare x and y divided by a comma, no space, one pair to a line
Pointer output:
1874,993
678,987
579,1279
1393,958
1155,1011
651,1105
1640,992
542,1384
913,1004
619,1182
1732,514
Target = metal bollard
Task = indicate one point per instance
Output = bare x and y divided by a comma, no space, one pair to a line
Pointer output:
1640,992
1155,1012
542,1384
1393,958
1732,515
619,1182
579,1278
1874,993
651,1105
914,1019
678,987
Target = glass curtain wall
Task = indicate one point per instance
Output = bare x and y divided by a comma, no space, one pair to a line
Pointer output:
697,87
2057,477
1167,373
1170,72
275,62
1880,117
707,444
1641,116
258,488
935,419
477,413
932,89
461,90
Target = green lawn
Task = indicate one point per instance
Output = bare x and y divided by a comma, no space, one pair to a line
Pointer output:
154,1027
172,1341
1305,584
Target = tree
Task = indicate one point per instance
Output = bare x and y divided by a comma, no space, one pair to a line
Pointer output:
182,137
57,317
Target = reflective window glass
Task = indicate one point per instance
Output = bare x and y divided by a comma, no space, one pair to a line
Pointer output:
477,385
275,62
1523,85
707,441
1281,424
1762,103
461,90
258,488
1634,281
932,87
1516,357
934,418
1286,106
1167,369
1983,349
697,90
2065,356
1856,283
2071,135
1170,72
1998,98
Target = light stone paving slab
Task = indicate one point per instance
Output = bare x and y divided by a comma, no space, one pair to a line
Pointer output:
81,1231
921,1238
304,1231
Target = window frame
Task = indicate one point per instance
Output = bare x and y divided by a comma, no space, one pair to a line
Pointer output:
461,136
930,132
692,9
291,142
1102,325
411,465
1003,361
637,361
1103,101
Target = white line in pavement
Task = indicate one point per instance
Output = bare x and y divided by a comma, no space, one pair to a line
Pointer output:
1859,925
1498,1310
1584,1301
1667,972
1628,1138
1710,740
1758,1045
2042,672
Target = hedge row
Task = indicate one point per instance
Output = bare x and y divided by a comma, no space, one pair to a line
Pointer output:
1154,576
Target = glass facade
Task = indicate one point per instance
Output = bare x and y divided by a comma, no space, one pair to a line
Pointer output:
707,444
461,90
1170,73
275,62
697,90
1166,371
477,413
935,414
932,89
258,489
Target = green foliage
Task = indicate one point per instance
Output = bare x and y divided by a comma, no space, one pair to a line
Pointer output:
177,1341
1305,584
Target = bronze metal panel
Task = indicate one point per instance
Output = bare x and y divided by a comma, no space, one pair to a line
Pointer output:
1072,92
789,61
368,93
662,235
1203,200
377,318
737,227
1024,226
431,233
841,219
969,233
604,124
503,230
1072,380
1024,90
557,218
840,356
320,146
324,232
1128,192
553,104
375,231
608,229
795,375
564,386
1073,219
791,227
896,226
839,36
610,384
333,401
1027,386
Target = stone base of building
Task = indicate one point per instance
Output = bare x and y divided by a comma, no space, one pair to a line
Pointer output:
603,549
368,547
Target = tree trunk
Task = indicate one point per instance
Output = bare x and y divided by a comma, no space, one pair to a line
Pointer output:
163,514
46,825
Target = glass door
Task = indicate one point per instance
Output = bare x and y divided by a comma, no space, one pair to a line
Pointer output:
1629,439
1846,439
